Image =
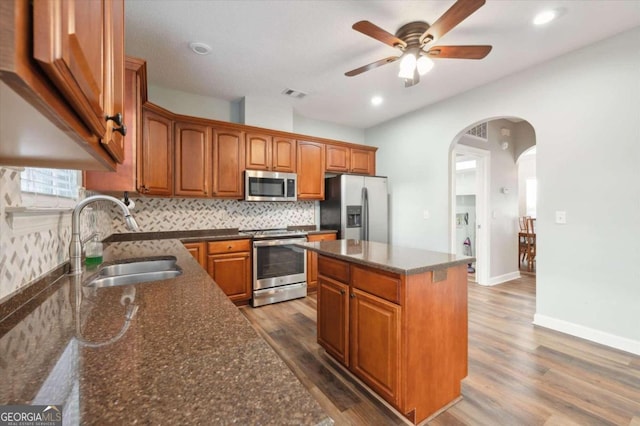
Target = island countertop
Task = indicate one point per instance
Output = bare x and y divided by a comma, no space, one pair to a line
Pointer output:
401,260
188,355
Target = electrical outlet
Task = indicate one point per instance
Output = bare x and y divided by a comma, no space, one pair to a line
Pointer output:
561,217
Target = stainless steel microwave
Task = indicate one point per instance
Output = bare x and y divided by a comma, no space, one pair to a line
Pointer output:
270,186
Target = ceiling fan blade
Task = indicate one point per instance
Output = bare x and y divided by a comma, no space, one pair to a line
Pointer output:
371,66
374,31
459,52
452,17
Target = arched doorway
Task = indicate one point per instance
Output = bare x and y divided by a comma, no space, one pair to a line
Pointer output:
484,191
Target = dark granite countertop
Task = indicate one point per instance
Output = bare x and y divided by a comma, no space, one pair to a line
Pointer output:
401,260
188,355
205,234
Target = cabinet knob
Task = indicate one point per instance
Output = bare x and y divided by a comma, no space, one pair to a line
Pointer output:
122,130
117,118
353,295
342,291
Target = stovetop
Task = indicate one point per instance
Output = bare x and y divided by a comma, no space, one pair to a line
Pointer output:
275,233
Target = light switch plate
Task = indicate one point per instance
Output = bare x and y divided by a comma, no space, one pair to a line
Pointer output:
561,217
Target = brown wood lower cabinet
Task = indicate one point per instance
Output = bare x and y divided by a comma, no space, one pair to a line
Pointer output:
404,335
199,252
228,263
312,260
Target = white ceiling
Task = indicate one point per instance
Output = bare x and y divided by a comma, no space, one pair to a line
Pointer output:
261,47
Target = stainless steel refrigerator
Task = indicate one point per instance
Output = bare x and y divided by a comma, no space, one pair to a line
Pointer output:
357,207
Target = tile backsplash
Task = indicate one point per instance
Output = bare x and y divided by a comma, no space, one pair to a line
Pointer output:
172,214
28,254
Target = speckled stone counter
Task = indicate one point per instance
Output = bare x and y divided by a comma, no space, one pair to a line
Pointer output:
188,356
401,260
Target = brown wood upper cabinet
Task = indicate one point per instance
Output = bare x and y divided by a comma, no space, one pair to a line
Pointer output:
156,153
227,163
125,178
311,167
344,159
80,46
266,152
192,159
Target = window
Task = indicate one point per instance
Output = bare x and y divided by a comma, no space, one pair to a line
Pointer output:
49,187
531,194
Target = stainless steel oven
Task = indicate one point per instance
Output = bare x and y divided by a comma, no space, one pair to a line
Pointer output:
279,268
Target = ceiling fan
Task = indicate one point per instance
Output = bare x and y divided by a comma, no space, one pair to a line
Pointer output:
416,39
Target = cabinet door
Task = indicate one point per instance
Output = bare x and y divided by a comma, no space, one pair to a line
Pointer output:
68,42
363,161
310,170
312,260
198,251
375,343
337,158
228,162
192,160
232,273
113,140
283,155
333,316
258,152
125,178
156,169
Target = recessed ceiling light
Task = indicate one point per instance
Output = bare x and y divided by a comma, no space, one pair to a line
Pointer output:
376,100
545,17
200,48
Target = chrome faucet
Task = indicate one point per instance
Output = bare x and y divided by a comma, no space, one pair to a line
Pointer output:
75,248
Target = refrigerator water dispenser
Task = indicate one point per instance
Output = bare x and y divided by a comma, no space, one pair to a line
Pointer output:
354,216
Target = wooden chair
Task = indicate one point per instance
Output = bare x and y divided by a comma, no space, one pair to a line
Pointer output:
522,239
531,243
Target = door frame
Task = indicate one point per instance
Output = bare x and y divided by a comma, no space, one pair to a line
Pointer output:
483,226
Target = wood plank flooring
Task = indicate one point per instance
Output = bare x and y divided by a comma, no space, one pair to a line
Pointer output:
518,374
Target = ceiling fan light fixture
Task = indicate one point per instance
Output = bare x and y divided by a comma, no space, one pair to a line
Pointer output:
407,65
424,65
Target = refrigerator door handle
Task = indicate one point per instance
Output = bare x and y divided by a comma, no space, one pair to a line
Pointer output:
365,214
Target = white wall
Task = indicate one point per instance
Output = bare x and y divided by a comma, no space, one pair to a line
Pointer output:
253,111
580,106
324,129
191,104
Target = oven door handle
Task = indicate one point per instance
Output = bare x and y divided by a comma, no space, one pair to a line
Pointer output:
280,242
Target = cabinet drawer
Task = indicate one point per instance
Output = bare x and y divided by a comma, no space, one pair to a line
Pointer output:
230,246
333,268
376,283
321,237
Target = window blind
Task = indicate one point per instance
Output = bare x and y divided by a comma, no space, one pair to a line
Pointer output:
53,182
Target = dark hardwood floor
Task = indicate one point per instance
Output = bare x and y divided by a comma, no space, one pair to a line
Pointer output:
519,374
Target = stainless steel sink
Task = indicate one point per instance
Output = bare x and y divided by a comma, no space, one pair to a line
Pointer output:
133,271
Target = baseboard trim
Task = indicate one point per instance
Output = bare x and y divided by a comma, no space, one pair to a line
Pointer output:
593,335
502,278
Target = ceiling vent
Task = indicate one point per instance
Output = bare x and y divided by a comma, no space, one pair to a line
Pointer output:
294,93
479,131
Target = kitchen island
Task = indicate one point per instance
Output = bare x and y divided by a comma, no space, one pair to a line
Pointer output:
397,319
186,356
